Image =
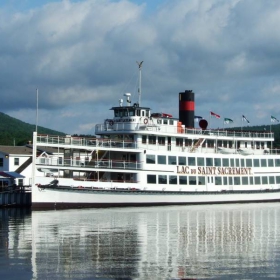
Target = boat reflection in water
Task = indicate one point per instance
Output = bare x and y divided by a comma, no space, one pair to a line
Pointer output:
221,241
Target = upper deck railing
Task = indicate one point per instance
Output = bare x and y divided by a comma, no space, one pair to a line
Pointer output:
170,129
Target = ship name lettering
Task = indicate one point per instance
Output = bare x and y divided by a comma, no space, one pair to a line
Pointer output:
183,170
212,170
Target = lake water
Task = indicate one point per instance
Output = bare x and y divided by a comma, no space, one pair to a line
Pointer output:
180,242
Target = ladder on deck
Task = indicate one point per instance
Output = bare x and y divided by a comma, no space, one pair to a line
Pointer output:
197,144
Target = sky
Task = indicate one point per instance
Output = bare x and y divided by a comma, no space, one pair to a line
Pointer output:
81,56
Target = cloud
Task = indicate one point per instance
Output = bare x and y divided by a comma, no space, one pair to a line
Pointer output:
82,56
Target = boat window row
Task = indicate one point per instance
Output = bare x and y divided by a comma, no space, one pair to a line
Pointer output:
161,140
209,161
217,180
131,112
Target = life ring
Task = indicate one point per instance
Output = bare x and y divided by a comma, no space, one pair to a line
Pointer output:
145,121
111,122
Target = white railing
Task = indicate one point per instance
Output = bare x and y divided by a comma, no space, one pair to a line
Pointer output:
96,143
122,127
104,164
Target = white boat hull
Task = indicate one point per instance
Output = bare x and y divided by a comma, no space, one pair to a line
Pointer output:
73,197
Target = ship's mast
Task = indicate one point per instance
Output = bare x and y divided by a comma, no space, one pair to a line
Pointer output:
139,88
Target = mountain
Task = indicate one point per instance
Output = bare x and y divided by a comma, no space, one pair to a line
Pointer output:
16,132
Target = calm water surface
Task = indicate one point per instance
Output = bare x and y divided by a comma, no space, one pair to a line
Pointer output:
193,242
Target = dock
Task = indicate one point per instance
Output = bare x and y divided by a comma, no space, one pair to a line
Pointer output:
15,199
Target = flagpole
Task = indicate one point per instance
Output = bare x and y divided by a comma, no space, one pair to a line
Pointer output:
36,109
210,120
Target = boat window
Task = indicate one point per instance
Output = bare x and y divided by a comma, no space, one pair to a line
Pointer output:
172,180
270,162
263,162
191,161
192,180
251,180
165,121
256,162
249,162
218,180
230,181
245,181
188,142
131,112
147,113
201,180
225,162
209,162
257,180
200,161
142,113
236,181
271,180
162,179
217,161
225,180
264,180
172,160
151,179
171,122
152,139
277,162
242,162
161,140
117,113
161,159
1,162
183,180
277,179
237,162
138,113
182,161
158,121
210,143
144,139
179,141
232,162
150,159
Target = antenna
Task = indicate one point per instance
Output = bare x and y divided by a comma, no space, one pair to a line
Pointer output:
139,88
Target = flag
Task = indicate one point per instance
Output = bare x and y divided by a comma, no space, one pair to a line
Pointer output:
215,115
197,118
227,120
273,119
245,119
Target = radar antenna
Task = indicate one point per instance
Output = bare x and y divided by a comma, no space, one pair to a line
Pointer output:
139,88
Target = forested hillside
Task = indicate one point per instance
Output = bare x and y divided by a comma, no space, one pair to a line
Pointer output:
16,132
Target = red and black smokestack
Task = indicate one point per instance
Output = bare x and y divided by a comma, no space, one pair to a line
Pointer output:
186,108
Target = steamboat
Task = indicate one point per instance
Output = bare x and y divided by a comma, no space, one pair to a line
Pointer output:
140,158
